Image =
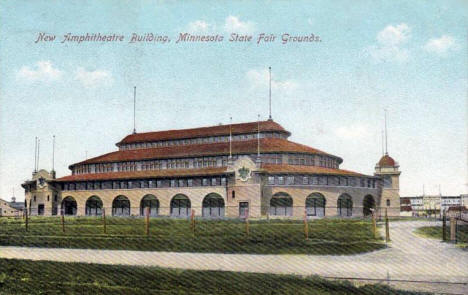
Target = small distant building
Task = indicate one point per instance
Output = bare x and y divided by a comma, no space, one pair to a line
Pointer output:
447,202
432,205
12,208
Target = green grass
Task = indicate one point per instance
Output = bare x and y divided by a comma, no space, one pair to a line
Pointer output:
435,232
326,236
41,277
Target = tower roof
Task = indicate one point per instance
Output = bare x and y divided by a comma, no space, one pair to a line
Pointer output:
240,128
387,161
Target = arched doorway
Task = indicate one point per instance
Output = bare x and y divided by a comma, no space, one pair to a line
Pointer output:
180,206
367,204
93,206
69,206
345,205
281,205
315,205
213,206
121,206
149,201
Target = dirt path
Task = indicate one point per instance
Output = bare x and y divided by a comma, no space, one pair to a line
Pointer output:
410,257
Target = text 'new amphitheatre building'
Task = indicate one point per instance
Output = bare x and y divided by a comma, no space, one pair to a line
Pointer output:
230,170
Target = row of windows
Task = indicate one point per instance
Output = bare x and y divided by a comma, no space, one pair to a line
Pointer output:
220,161
152,183
311,160
153,165
321,180
200,140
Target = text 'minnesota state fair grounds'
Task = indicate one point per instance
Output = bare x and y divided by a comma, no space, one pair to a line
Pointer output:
230,170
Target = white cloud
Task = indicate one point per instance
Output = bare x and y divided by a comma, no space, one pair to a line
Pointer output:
43,72
352,131
394,35
390,42
260,79
95,78
441,45
234,25
200,26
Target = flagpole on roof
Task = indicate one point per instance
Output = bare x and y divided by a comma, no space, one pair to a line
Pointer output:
53,153
386,134
134,109
258,137
230,137
38,153
269,96
35,154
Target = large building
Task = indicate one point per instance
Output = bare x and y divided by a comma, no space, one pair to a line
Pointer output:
12,208
230,170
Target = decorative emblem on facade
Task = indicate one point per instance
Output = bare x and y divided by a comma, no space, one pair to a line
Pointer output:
41,182
244,173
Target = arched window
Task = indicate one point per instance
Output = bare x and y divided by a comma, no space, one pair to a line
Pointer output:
345,205
121,206
180,206
93,206
368,205
213,206
388,203
315,205
281,205
69,206
149,201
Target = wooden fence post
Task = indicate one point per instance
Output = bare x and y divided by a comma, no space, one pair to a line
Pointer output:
306,225
387,228
27,219
453,228
192,221
147,220
247,229
62,218
374,224
104,220
444,226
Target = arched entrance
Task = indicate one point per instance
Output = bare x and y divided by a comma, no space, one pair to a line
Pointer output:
345,205
281,205
315,205
149,201
213,206
367,204
93,206
121,206
180,206
69,206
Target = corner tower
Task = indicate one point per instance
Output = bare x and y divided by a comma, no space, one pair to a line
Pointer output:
388,169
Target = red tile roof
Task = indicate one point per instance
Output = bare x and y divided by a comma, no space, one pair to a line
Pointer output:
144,174
301,169
211,149
219,130
386,161
267,168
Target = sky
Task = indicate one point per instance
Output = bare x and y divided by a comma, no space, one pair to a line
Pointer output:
408,57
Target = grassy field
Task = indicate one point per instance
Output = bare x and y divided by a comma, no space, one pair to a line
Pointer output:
41,277
326,236
436,233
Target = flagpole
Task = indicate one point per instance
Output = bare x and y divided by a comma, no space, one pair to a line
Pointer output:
269,96
134,109
258,137
230,138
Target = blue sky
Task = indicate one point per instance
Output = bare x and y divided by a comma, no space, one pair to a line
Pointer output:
405,56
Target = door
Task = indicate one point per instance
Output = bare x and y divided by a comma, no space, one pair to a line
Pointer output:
40,209
243,209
